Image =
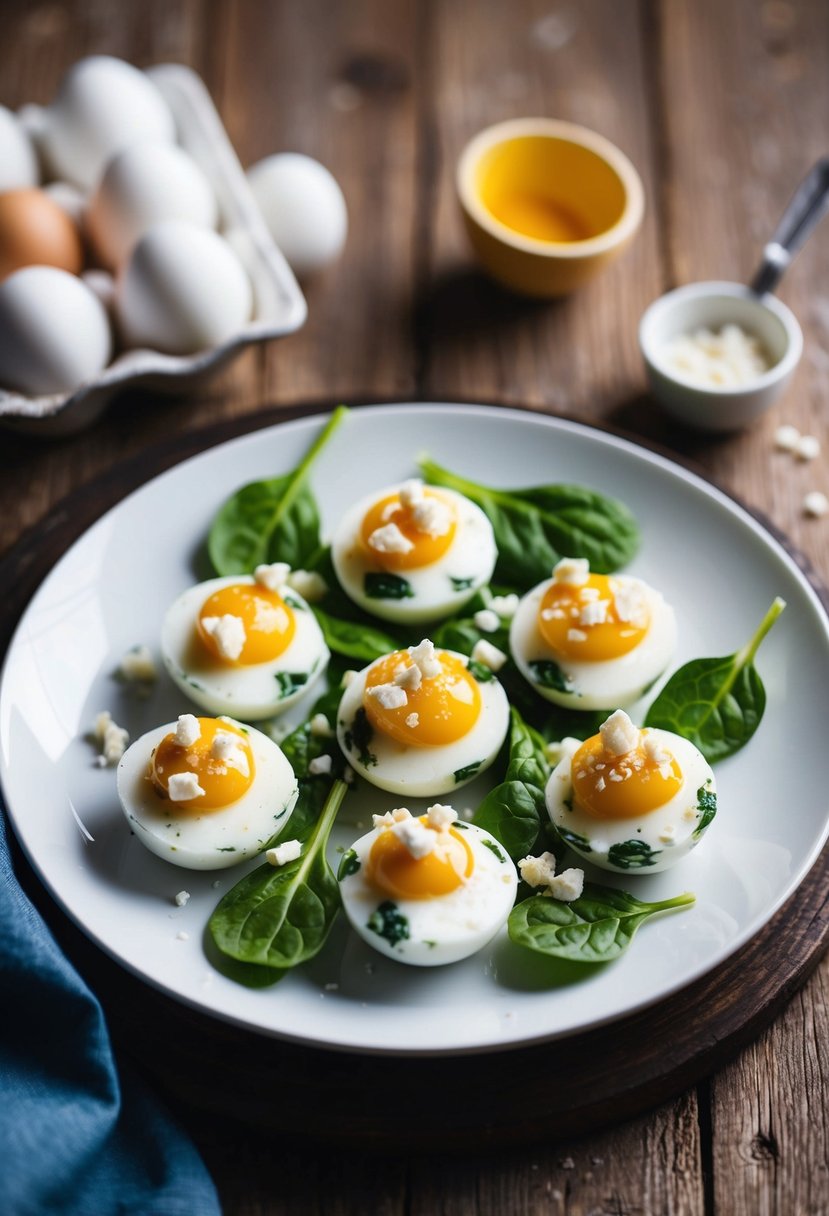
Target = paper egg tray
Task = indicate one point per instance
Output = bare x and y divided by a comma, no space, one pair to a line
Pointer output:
279,306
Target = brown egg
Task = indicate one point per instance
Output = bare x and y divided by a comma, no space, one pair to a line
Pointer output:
35,231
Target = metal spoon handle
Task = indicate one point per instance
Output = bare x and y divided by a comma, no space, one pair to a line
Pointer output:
807,208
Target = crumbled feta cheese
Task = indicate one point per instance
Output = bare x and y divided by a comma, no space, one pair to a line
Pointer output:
491,657
432,517
112,738
653,749
576,635
320,727
228,749
668,834
181,936
349,775
619,735
408,676
389,539
568,885
418,840
588,593
538,871
320,765
808,447
272,576
423,656
281,854
228,632
413,721
188,730
310,585
441,817
138,666
182,898
721,358
411,492
390,696
505,605
348,677
629,604
486,620
786,438
573,571
594,612
183,786
815,504
398,815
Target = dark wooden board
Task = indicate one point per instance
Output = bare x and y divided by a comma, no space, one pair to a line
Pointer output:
566,1087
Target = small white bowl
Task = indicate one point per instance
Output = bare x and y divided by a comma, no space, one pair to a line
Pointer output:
712,306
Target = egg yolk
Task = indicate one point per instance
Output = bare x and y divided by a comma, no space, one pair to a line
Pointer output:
223,781
442,710
425,548
390,867
269,623
586,622
622,787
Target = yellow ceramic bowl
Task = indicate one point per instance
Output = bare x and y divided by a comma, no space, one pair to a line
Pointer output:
547,203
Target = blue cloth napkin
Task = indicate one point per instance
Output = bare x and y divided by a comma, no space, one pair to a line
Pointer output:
75,1138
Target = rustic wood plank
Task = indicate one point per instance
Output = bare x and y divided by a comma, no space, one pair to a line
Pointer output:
743,98
492,61
771,1136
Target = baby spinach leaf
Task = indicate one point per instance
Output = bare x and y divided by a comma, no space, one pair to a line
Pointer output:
548,674
272,520
717,704
356,639
512,812
595,928
537,526
349,864
707,805
279,916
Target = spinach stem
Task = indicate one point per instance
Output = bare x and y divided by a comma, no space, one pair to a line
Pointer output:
301,471
746,655
324,824
678,901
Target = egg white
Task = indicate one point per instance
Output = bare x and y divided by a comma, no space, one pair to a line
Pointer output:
681,816
221,837
424,772
470,560
609,683
251,691
442,929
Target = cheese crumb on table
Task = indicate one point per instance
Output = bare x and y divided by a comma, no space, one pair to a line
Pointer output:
808,447
112,738
786,438
815,504
138,666
182,898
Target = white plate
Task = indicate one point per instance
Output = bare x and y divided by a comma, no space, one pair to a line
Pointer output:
715,563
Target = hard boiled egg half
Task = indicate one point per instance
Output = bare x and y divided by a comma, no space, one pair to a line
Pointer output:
206,793
426,890
413,552
246,645
629,799
422,722
592,641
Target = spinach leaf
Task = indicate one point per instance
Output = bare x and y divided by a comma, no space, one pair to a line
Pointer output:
717,704
632,855
537,526
389,922
707,806
548,674
595,928
354,639
280,916
272,520
512,812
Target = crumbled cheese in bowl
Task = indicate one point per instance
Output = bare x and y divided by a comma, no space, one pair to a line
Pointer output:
723,358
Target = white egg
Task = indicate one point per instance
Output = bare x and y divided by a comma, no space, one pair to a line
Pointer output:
18,161
377,571
412,763
254,689
69,198
434,907
103,104
198,837
608,614
54,332
303,207
142,184
182,290
651,840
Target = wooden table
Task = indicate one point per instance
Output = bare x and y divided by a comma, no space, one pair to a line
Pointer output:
722,106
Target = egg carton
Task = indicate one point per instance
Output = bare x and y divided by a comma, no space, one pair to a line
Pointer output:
279,305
